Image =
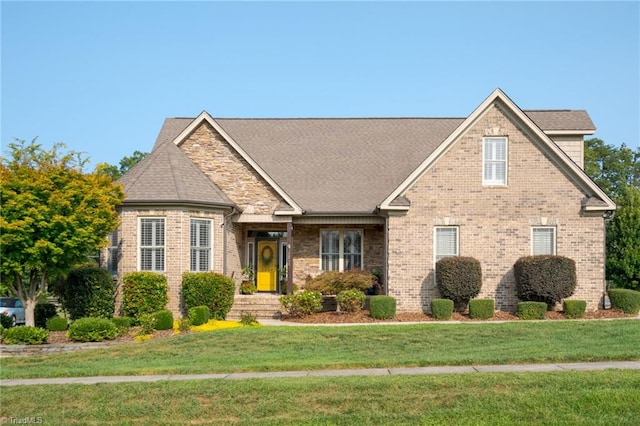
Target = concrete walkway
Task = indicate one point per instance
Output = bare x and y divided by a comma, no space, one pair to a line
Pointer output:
517,368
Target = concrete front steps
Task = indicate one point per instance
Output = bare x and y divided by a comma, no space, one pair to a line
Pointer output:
262,305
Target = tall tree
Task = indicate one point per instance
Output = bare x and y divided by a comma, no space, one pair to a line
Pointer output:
612,168
126,164
617,171
51,215
623,241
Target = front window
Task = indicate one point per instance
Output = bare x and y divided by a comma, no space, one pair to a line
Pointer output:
112,253
543,240
340,250
200,245
494,161
446,242
152,244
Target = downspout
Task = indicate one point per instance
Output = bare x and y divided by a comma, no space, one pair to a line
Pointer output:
224,239
386,252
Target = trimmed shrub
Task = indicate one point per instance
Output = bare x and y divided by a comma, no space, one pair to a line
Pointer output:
627,300
351,300
199,315
302,304
147,324
459,279
441,309
481,308
88,292
25,335
164,320
143,293
545,278
382,307
92,330
123,324
574,308
209,289
531,310
43,312
57,324
333,282
6,321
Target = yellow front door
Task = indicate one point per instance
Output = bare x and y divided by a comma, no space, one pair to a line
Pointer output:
267,271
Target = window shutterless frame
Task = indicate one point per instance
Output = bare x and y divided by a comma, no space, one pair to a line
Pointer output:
151,244
495,165
201,245
341,249
446,242
543,240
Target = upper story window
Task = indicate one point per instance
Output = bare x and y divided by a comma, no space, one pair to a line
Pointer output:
340,250
200,259
445,242
151,244
113,252
543,240
494,164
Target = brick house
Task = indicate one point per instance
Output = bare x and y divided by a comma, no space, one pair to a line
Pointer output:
386,194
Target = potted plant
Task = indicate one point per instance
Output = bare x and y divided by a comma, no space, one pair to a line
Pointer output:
248,285
282,277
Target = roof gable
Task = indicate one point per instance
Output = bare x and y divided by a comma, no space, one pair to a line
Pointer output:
529,126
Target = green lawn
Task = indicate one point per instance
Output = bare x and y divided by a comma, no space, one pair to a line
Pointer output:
312,348
565,398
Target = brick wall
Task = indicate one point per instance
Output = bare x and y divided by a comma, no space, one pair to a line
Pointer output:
177,246
494,222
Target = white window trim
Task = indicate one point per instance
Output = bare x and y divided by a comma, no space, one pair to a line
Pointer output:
211,243
486,182
555,238
250,258
164,247
341,232
113,250
435,241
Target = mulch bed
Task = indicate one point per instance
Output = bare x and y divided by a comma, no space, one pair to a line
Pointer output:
363,317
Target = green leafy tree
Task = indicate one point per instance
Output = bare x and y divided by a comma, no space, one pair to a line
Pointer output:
51,215
126,164
623,241
612,168
617,171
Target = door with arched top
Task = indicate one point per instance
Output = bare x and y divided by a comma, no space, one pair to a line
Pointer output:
267,265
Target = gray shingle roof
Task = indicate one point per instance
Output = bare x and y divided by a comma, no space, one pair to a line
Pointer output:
167,176
332,165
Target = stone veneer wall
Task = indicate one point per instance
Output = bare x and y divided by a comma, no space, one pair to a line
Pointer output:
177,246
230,172
494,222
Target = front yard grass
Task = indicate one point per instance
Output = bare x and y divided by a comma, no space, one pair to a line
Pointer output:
594,397
373,346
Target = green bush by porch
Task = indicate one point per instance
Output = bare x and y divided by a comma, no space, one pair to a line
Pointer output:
333,282
209,289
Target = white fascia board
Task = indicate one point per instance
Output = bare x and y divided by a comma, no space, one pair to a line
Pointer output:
204,116
498,95
570,132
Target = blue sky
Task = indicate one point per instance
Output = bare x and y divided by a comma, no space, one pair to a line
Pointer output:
102,76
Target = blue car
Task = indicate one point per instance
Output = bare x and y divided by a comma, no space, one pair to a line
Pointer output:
12,307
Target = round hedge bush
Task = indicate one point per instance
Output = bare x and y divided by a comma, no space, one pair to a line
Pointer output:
545,278
25,335
459,278
57,324
92,330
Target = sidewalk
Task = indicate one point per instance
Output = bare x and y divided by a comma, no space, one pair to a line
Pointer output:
517,368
